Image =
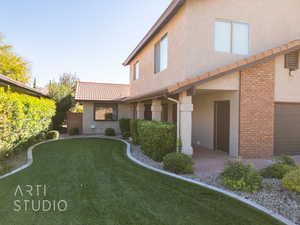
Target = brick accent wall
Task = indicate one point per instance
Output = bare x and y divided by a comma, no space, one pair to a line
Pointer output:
257,110
74,120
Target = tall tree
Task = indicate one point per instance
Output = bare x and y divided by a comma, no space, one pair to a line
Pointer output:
63,93
12,65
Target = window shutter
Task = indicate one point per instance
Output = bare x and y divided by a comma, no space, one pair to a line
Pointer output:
292,61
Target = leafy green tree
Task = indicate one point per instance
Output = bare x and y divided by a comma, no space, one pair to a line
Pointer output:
63,93
12,65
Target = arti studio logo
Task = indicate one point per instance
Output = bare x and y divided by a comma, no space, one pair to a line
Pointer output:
34,198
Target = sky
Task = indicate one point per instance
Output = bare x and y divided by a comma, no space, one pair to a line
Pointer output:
89,38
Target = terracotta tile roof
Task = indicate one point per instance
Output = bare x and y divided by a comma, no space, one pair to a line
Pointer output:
89,91
21,86
167,15
247,62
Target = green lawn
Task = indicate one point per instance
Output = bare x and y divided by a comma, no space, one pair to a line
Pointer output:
103,187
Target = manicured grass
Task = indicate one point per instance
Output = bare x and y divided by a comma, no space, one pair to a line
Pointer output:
103,187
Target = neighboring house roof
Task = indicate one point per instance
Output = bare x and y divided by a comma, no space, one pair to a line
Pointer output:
44,90
21,86
90,91
245,63
167,15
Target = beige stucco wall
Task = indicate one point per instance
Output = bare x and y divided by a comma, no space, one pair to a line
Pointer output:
226,82
203,119
124,111
150,81
191,37
287,88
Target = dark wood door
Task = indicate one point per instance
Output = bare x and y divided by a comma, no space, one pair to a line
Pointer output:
222,126
287,129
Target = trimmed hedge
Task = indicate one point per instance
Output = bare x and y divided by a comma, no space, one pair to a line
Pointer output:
157,139
22,117
125,127
178,163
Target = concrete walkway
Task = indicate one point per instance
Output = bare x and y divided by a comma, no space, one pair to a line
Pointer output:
208,162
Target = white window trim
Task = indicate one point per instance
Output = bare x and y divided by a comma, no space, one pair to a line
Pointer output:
134,70
155,55
231,35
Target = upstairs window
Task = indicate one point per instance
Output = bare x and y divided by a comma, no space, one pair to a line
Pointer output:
161,55
232,37
136,71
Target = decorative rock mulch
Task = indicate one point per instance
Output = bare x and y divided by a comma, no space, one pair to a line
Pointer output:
271,196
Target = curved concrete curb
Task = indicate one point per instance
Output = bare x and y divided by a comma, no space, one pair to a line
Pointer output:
129,155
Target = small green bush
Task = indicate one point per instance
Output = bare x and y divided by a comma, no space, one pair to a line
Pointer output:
241,177
276,170
125,127
291,181
74,131
285,159
178,163
133,131
126,135
110,132
53,134
157,139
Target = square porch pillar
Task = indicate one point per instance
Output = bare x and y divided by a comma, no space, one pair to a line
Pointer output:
156,109
186,109
140,110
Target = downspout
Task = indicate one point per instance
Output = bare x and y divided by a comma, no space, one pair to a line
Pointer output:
178,120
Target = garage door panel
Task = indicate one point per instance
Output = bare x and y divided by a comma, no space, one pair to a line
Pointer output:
287,129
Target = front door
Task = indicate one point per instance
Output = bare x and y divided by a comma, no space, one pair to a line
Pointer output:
222,126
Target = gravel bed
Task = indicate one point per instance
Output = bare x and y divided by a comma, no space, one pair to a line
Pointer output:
271,196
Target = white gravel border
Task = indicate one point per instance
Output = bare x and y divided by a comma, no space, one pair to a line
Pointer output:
129,155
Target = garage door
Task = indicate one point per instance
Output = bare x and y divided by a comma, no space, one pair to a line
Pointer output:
287,129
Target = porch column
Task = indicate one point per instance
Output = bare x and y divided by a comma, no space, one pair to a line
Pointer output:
186,109
140,110
156,110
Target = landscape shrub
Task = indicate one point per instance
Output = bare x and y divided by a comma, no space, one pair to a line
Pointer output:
241,177
157,139
276,170
74,131
133,131
125,127
53,134
22,117
285,159
110,132
178,163
291,181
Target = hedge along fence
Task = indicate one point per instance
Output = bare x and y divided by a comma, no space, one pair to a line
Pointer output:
22,117
157,139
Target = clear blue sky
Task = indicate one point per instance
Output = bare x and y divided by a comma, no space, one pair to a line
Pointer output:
88,37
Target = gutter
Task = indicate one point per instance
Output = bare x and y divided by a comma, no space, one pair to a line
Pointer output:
178,120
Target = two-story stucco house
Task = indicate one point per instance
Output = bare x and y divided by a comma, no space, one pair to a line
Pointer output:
227,71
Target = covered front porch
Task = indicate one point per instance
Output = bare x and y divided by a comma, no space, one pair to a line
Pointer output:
207,115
